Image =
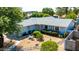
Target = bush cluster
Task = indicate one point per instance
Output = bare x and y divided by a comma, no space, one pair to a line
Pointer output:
49,46
38,35
51,33
66,34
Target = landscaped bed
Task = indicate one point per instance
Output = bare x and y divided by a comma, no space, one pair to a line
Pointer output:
30,45
9,43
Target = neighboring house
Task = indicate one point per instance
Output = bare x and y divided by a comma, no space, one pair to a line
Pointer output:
77,21
63,16
46,23
29,13
55,16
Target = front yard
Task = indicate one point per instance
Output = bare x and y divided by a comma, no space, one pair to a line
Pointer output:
29,45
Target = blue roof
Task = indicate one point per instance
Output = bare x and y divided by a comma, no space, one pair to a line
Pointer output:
46,21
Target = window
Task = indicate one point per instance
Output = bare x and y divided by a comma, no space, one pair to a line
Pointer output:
52,27
46,27
56,28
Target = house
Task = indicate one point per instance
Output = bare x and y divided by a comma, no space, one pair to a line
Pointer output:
46,23
76,21
29,13
56,16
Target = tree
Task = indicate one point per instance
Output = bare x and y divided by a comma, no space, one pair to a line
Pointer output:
45,15
34,14
38,35
49,46
9,17
71,15
48,11
39,14
25,15
61,11
76,10
65,10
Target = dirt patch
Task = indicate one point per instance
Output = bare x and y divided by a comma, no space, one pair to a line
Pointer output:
26,43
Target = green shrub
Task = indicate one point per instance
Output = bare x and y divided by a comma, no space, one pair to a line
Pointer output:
55,34
50,33
66,34
71,15
38,35
49,46
61,36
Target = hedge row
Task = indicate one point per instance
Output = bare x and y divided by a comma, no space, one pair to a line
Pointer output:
56,34
50,33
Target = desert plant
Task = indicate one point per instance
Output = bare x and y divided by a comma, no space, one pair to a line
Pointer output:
49,46
38,35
